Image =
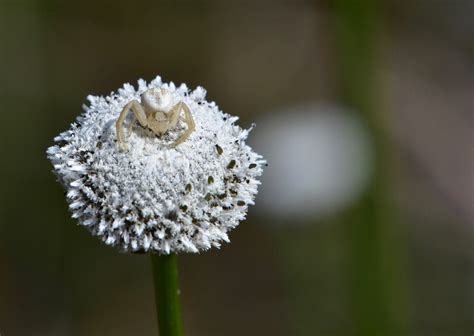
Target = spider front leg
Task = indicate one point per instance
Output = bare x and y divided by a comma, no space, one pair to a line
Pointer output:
188,120
138,112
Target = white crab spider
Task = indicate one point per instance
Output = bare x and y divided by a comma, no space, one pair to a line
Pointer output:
156,112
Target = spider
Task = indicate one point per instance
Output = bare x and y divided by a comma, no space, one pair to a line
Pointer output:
156,112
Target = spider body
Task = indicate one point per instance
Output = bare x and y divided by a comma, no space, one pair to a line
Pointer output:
156,112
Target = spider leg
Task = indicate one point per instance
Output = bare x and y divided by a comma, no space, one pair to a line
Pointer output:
174,115
130,125
189,121
138,112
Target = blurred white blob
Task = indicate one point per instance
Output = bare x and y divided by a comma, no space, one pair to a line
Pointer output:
320,160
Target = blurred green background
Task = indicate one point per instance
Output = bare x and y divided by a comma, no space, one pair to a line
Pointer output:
391,255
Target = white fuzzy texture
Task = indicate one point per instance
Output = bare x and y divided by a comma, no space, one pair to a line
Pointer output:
152,197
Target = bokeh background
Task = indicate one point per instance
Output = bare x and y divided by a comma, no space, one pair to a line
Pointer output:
364,110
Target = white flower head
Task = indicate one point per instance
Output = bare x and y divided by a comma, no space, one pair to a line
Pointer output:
328,140
153,197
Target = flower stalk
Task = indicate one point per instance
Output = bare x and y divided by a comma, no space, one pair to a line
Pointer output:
377,273
167,294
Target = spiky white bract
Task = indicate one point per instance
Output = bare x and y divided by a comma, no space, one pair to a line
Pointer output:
152,197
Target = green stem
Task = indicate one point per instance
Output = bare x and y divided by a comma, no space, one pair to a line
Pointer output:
377,270
167,293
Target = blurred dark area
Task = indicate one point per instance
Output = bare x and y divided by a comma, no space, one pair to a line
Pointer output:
364,110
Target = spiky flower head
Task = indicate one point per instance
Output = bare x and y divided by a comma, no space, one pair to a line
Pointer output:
152,197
